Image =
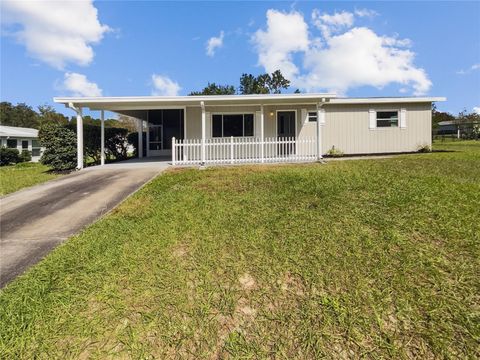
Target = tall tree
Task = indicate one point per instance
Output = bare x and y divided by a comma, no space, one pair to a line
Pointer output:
214,89
263,83
20,115
48,115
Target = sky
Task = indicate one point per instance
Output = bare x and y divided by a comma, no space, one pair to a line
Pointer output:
126,48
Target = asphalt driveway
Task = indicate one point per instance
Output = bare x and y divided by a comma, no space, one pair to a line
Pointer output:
34,221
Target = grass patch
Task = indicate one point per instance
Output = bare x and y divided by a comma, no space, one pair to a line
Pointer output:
19,176
368,258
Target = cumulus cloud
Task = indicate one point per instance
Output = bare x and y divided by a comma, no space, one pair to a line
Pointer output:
56,32
78,85
476,109
164,86
286,33
341,57
366,13
214,43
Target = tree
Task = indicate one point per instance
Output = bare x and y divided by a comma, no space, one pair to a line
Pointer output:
127,122
20,115
438,116
263,83
48,115
214,89
60,147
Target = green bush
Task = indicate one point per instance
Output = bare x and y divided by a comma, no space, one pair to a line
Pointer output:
133,140
60,147
25,156
9,156
424,148
334,152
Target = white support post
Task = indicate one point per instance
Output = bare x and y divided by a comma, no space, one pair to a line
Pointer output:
140,138
202,104
173,151
79,139
262,134
102,138
319,134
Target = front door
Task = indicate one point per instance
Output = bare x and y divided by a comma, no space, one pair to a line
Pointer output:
155,138
286,132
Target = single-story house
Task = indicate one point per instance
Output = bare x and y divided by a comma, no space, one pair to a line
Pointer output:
22,139
267,128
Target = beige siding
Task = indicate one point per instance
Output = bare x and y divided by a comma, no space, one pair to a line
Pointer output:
346,126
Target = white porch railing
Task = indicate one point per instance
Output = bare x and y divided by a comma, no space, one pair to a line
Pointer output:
235,150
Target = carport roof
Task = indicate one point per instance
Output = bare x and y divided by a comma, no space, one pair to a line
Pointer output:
156,102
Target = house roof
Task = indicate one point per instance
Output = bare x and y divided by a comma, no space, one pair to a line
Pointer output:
18,132
152,102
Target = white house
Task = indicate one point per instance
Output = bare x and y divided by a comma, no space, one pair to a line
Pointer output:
22,139
267,128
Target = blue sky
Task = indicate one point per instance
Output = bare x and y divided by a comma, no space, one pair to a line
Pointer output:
126,48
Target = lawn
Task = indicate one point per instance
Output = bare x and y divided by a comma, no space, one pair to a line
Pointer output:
367,258
16,177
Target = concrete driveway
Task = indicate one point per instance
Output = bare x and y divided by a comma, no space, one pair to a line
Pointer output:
36,220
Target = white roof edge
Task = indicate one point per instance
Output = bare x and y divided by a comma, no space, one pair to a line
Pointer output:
122,99
390,100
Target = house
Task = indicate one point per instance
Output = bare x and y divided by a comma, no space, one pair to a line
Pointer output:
22,139
267,128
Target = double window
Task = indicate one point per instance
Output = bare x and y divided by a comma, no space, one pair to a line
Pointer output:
387,118
225,125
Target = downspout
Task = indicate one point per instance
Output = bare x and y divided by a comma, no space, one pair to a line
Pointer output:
79,135
319,130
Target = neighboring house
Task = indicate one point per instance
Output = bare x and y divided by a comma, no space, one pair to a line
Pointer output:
22,139
268,128
460,129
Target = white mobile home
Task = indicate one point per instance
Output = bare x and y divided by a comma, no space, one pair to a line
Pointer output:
21,138
268,128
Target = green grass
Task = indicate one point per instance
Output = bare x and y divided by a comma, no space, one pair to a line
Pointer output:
367,258
19,176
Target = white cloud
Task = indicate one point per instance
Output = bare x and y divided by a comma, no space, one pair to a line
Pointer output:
79,85
469,70
366,13
164,86
286,33
56,32
476,109
343,57
214,43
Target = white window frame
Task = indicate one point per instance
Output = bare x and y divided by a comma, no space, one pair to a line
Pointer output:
232,113
387,127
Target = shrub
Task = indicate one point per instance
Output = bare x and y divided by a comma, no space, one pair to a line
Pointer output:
9,156
25,156
333,152
60,147
424,148
133,140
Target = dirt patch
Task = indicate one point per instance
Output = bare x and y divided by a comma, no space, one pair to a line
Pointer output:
247,281
292,283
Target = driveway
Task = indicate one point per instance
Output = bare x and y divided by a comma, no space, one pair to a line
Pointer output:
34,221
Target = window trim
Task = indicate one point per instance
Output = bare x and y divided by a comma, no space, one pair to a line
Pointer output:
308,116
387,127
287,110
232,113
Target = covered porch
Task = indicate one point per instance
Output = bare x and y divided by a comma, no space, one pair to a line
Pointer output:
228,129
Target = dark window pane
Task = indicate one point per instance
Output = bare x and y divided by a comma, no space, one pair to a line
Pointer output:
232,125
312,116
217,125
11,143
172,126
248,125
36,143
387,118
36,152
24,144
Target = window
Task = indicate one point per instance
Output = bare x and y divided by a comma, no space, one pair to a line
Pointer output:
36,148
387,118
12,143
225,125
24,144
312,116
